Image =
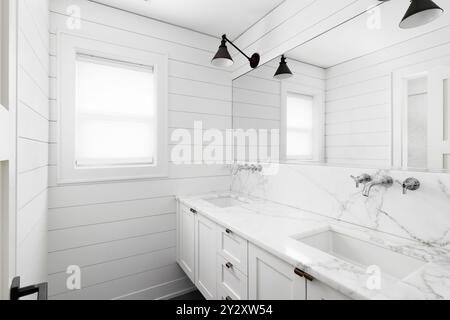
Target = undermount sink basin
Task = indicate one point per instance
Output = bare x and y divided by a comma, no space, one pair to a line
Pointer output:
225,202
362,253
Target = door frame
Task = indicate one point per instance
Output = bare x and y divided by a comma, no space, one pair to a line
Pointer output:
400,77
8,105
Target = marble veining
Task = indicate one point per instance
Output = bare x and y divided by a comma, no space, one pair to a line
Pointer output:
422,215
274,227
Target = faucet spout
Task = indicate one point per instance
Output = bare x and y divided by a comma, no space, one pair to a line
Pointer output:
381,181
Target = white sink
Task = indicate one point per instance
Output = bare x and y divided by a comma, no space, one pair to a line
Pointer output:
225,202
362,253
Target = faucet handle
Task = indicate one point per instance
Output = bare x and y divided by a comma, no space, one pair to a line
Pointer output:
410,184
364,178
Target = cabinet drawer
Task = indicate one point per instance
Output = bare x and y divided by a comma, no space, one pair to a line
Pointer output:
231,283
233,249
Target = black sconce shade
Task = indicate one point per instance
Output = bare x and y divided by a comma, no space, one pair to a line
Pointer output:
222,57
419,13
283,71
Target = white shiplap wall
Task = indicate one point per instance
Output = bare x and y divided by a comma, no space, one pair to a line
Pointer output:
292,23
257,97
32,140
358,99
122,234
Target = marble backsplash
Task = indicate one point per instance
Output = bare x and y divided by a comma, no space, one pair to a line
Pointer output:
422,215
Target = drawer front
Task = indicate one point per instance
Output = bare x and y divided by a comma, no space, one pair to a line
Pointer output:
233,249
231,283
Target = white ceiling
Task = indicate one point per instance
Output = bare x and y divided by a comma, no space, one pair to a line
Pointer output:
354,39
213,17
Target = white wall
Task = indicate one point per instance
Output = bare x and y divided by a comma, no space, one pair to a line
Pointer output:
32,140
122,234
358,115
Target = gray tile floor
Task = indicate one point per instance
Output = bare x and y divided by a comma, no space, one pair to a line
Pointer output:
195,295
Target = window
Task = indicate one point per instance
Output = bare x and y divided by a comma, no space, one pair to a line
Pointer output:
302,123
113,112
299,126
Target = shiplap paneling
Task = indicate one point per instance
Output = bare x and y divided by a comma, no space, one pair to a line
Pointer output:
122,233
358,108
292,23
32,140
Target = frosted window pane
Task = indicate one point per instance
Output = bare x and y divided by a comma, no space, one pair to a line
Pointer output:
299,126
115,113
299,144
299,111
110,139
105,87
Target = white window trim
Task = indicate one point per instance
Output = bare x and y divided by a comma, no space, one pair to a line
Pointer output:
318,121
68,47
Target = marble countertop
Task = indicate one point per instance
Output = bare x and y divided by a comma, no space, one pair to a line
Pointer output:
274,227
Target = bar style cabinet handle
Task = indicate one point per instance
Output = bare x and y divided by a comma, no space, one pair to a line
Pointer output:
303,274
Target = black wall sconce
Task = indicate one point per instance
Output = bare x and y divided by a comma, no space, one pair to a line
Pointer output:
419,13
283,71
223,57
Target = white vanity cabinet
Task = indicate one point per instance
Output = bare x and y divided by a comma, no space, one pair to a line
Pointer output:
196,249
186,240
270,278
316,290
273,279
225,266
205,257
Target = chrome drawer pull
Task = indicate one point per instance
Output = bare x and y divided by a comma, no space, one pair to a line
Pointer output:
193,211
229,265
228,298
228,231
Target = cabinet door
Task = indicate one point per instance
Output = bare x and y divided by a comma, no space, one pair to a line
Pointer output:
186,241
205,257
270,278
316,290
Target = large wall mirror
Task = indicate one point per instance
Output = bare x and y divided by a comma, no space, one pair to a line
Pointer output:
366,93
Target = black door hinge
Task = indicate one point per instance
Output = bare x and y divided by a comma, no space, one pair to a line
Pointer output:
16,292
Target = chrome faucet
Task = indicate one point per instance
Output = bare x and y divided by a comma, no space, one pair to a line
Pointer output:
252,168
364,178
378,181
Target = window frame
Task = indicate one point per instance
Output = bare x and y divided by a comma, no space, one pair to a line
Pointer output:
69,47
318,130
